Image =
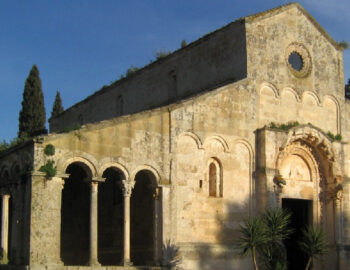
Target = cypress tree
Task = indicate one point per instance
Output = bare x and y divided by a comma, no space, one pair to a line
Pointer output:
57,107
32,116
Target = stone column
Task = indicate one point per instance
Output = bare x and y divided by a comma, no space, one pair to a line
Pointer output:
338,216
5,227
94,222
127,187
157,207
43,214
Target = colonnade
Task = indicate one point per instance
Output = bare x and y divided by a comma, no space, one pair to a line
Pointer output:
127,187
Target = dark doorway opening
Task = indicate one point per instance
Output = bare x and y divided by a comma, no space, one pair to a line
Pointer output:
301,211
142,219
110,218
75,217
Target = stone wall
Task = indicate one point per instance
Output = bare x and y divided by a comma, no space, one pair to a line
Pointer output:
177,145
213,60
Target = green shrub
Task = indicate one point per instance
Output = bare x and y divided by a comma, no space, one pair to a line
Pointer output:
131,70
49,150
338,137
333,137
264,235
284,127
4,146
344,44
313,243
161,54
49,169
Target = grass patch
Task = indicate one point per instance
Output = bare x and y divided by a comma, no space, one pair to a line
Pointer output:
284,127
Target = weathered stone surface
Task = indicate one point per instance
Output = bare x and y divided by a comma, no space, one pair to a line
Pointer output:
197,168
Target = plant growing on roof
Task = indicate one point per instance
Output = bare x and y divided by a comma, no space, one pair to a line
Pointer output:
49,167
49,150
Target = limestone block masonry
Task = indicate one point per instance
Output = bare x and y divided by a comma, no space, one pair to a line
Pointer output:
160,169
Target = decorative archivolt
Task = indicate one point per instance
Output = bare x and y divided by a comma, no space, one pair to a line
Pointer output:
218,139
4,172
311,95
292,91
333,102
15,168
249,148
193,136
315,148
270,87
303,151
146,168
278,94
333,99
88,166
114,165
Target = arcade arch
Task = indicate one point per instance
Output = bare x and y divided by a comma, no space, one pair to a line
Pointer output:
110,217
75,215
145,225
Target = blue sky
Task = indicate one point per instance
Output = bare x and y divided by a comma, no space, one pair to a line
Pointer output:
81,45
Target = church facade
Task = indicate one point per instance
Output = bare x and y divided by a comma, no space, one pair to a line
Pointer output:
162,167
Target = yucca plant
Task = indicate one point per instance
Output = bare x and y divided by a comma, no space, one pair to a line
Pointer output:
273,254
313,243
253,237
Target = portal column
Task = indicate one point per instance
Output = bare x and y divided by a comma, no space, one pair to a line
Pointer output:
94,222
157,234
338,214
127,187
5,227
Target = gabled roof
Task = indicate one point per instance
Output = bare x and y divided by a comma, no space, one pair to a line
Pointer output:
247,19
280,9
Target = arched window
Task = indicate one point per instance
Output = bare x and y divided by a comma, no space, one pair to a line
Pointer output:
215,178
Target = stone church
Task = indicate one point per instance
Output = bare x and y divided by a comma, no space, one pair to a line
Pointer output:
163,165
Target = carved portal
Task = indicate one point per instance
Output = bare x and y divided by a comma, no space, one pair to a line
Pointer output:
307,164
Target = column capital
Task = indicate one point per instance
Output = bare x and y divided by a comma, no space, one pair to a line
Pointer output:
94,181
127,187
98,179
156,192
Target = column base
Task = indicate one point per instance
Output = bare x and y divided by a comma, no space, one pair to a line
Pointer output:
127,263
94,263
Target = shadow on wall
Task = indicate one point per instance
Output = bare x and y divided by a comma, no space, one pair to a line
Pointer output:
224,254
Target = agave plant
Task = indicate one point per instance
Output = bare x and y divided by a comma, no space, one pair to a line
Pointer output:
253,237
277,223
313,243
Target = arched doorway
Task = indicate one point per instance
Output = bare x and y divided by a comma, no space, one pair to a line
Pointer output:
75,215
307,164
110,218
142,227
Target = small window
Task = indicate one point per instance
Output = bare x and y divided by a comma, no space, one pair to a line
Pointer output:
119,105
215,178
172,88
80,119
